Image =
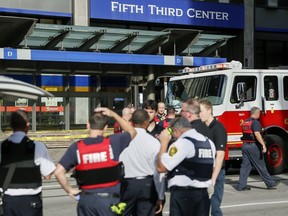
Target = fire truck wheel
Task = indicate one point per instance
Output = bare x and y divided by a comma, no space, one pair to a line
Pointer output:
276,155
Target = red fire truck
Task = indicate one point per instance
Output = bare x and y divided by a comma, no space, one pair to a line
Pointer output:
233,91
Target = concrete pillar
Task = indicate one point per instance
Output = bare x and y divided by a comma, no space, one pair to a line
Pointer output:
135,92
67,113
81,18
34,121
81,12
81,110
249,34
150,89
34,117
1,104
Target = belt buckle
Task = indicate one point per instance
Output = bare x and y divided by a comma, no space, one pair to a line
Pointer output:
103,194
140,177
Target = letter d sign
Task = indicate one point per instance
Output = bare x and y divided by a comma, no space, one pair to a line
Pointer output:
10,54
178,60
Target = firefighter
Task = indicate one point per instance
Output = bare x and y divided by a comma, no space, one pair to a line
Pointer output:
189,163
171,114
28,161
160,116
252,149
97,169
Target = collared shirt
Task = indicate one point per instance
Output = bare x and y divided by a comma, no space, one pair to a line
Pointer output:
140,159
179,150
47,166
201,128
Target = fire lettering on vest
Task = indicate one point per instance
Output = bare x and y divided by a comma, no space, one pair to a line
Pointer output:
94,157
205,153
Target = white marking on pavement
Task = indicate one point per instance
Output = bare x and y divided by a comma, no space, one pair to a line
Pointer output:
252,204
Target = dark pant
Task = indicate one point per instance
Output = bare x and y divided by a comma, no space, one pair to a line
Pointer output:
30,205
188,201
93,204
252,155
217,196
140,196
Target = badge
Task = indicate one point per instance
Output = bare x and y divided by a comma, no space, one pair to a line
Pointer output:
173,151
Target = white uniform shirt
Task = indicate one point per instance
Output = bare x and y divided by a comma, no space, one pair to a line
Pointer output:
140,159
177,152
41,158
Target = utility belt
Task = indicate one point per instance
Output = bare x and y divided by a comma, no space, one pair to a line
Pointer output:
105,195
249,141
186,188
140,177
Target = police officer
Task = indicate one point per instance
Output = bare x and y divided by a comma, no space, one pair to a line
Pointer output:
189,163
191,110
24,162
97,169
142,185
252,150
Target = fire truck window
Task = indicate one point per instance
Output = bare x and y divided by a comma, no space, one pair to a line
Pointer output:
271,88
249,93
285,84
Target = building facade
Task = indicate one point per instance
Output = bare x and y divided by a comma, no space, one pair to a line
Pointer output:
91,53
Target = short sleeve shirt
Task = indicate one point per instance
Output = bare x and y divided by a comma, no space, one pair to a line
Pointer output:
256,126
201,128
118,142
219,135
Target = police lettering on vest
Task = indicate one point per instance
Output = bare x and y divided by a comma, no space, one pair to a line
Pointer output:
96,168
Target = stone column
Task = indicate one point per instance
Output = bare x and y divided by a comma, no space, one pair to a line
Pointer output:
249,34
81,12
81,18
150,89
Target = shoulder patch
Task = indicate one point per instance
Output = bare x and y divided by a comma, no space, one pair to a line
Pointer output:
173,151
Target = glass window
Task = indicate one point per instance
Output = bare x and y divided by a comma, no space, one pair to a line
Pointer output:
285,84
244,89
206,87
271,88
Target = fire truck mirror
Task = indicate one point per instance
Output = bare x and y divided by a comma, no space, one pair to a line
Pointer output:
241,91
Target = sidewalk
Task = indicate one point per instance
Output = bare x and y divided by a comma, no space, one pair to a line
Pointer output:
56,141
55,138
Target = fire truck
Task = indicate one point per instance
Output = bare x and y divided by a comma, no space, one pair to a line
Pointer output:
233,91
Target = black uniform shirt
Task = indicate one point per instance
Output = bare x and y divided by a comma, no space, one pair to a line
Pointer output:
202,128
219,136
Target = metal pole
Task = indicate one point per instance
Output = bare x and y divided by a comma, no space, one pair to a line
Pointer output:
0,116
34,117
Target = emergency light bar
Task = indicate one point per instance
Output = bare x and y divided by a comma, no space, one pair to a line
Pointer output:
212,67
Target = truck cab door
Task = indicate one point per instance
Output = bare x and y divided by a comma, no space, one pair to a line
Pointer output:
271,102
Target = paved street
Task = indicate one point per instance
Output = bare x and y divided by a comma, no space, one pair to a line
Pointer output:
257,202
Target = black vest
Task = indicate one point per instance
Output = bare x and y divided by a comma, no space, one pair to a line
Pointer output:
200,166
27,174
